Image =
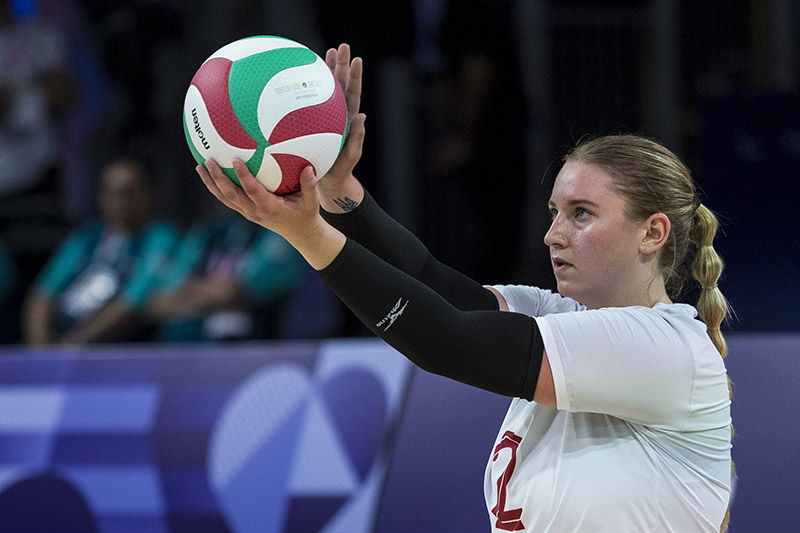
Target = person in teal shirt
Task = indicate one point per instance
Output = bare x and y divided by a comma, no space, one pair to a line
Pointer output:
229,280
95,286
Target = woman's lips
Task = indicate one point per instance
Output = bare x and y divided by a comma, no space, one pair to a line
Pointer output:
559,265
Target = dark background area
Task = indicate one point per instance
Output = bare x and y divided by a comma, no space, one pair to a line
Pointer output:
714,81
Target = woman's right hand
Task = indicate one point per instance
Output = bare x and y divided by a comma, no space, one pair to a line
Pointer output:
339,190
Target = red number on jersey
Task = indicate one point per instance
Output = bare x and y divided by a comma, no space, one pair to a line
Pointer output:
507,519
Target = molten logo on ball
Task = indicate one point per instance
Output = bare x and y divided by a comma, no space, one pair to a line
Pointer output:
271,102
197,129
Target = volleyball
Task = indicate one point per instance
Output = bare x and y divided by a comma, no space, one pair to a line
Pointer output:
271,102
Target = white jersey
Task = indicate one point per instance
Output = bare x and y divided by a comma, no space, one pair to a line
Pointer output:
641,437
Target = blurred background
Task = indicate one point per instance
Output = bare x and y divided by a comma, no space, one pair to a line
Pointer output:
109,239
470,105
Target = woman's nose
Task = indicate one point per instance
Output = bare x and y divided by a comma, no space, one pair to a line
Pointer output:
555,235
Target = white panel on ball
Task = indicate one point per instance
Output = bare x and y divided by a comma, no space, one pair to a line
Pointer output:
269,173
255,45
319,149
281,94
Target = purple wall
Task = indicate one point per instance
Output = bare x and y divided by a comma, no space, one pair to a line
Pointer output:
765,370
435,482
155,416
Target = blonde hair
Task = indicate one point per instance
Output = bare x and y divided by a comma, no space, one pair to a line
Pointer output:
654,180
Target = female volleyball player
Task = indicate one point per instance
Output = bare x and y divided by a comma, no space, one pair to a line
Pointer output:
620,418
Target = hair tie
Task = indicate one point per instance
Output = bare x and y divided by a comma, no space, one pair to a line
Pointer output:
710,287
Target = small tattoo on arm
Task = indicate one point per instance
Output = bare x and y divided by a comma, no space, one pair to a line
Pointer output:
347,204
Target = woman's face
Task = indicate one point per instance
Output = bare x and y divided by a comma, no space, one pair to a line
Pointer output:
594,247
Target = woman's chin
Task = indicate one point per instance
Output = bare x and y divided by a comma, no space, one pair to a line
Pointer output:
570,290
565,288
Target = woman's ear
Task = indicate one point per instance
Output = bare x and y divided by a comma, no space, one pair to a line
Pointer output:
657,229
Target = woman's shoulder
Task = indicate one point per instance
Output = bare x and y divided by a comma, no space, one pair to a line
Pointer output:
675,315
671,326
671,316
535,301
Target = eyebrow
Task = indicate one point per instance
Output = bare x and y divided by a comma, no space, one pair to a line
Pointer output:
575,202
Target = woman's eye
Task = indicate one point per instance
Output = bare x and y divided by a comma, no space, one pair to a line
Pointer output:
581,212
553,214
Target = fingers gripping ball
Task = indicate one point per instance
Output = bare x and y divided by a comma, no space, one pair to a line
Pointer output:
273,103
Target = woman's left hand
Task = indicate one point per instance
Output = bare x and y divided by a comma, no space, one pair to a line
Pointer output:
295,216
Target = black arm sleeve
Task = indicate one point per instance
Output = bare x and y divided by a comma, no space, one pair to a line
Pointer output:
496,351
373,228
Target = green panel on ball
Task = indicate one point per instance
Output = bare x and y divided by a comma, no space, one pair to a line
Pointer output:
248,77
197,156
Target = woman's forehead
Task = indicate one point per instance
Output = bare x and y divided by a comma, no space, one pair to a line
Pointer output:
578,180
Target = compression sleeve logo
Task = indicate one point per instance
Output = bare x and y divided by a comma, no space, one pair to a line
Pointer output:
393,315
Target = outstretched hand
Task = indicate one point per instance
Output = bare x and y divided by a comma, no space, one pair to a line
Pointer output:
339,181
295,216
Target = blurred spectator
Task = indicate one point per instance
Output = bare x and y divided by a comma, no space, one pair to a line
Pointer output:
94,286
36,86
228,281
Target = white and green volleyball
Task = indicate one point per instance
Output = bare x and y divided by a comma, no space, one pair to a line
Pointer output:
271,102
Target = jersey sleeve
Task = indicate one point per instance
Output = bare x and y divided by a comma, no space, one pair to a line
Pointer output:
533,301
633,363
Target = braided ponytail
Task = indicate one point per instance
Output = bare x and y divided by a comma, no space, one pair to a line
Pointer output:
712,307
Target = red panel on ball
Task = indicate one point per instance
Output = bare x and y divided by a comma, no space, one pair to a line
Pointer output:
291,165
211,80
328,117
